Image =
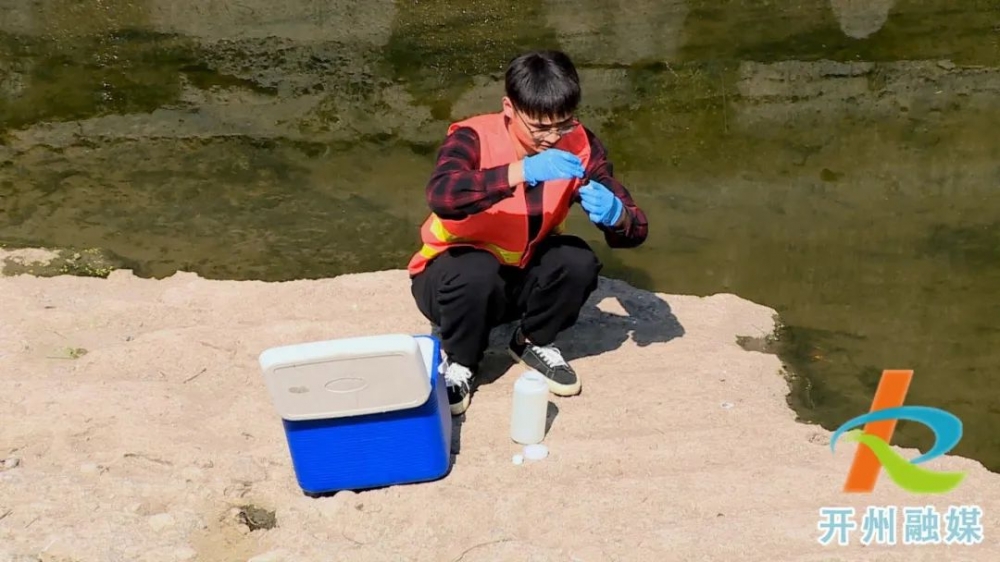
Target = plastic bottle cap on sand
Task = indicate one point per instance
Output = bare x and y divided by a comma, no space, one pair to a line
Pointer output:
535,452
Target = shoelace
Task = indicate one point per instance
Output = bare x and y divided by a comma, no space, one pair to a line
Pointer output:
551,355
457,375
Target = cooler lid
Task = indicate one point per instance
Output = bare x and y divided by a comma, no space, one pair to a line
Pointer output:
348,377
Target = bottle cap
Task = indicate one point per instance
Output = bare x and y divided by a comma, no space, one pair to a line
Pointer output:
532,380
536,452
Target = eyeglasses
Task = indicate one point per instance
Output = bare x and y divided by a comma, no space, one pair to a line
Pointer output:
541,131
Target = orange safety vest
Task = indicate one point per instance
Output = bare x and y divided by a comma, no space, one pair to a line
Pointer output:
503,228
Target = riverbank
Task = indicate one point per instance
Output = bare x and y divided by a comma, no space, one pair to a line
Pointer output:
138,428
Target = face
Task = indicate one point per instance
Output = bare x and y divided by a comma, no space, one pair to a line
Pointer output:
537,134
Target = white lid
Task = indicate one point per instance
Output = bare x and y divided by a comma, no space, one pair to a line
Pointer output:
348,377
531,382
535,452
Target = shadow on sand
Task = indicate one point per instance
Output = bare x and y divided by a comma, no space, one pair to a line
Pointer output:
649,320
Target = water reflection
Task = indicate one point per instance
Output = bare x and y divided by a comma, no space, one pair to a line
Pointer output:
58,19
304,21
834,160
861,18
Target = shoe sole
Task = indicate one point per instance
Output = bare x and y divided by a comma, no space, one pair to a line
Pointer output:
556,388
461,407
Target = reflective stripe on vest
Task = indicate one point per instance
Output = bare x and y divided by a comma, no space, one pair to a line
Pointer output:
509,257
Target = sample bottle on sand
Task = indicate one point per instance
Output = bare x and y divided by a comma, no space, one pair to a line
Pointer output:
530,409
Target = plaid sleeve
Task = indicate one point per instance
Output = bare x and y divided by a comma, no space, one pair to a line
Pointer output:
634,228
458,187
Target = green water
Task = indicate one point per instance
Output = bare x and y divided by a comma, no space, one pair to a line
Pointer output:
839,166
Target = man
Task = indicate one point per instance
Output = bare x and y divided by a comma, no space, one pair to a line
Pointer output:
493,248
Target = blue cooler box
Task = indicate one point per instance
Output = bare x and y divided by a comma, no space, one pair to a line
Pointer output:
363,412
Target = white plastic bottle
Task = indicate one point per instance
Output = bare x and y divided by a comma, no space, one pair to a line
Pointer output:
530,409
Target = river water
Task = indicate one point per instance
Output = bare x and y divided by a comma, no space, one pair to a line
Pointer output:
836,160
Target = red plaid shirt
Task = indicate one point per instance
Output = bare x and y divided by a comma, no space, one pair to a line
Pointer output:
458,188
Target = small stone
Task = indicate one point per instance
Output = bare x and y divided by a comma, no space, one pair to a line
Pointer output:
9,463
727,405
254,517
161,521
946,64
518,459
819,439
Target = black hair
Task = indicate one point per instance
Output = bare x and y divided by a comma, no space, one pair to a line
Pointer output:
543,84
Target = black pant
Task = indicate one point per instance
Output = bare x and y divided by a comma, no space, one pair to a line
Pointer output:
467,292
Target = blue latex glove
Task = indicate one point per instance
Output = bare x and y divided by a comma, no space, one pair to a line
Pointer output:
552,164
602,206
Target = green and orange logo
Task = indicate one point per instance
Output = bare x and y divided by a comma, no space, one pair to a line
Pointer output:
874,452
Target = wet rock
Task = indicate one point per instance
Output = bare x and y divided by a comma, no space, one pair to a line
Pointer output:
618,32
794,79
255,517
21,260
12,81
811,94
88,262
17,17
603,88
366,21
483,96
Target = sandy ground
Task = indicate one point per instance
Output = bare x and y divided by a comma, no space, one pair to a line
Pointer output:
135,424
